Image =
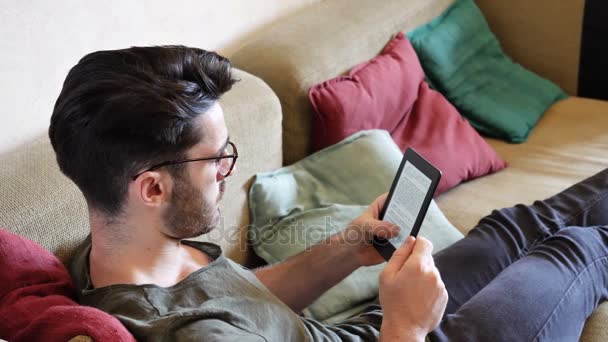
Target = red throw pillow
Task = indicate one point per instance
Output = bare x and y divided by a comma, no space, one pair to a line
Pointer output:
389,92
36,298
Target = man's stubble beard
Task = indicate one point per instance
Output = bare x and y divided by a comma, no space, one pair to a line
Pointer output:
188,215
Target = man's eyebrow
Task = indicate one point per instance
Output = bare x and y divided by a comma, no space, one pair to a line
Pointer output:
221,150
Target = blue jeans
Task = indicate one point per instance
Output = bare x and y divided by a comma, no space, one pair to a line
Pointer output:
529,273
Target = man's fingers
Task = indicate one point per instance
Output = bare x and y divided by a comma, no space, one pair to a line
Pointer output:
423,248
378,204
384,230
400,256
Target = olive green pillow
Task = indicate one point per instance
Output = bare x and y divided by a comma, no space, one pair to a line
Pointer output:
297,206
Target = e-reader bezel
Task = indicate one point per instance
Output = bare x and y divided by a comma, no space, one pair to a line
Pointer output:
384,246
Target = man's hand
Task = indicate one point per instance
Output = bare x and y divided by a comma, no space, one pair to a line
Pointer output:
302,278
361,230
412,294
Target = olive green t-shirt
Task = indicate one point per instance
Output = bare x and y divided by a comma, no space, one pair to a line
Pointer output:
222,301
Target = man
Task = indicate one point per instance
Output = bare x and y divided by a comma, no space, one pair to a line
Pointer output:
141,133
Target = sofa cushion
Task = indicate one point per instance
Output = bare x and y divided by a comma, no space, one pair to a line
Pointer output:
464,60
297,206
37,298
389,92
568,145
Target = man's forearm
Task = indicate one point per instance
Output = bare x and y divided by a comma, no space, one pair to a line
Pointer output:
301,279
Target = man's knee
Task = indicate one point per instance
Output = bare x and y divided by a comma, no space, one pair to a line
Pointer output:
579,242
582,235
520,223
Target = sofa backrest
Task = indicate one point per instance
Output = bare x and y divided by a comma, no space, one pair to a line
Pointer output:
37,201
319,43
330,37
543,35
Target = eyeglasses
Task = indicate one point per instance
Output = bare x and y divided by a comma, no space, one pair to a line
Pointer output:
225,162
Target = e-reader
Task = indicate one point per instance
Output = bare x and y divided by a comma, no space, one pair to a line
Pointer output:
408,200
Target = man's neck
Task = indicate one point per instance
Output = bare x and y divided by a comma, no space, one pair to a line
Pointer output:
133,251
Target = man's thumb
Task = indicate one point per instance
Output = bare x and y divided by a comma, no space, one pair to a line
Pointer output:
401,255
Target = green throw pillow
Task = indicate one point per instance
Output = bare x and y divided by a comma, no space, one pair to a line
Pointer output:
297,206
463,59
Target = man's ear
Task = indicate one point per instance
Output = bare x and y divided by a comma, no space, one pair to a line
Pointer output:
152,188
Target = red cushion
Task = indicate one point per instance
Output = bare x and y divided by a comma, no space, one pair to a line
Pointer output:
37,298
389,92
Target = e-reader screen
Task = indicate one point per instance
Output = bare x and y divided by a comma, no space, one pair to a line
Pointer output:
408,200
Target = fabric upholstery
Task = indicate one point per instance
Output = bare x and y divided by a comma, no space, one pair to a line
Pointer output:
389,92
300,205
38,202
37,298
81,338
463,59
330,38
596,329
568,145
320,42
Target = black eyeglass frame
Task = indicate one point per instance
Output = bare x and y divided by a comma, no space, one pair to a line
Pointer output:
234,157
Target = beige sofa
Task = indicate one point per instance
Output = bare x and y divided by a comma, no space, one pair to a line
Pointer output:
321,42
569,144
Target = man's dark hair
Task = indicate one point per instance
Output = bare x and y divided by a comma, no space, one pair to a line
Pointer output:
122,110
